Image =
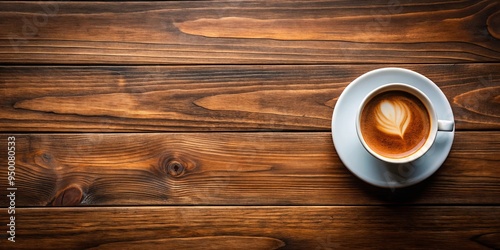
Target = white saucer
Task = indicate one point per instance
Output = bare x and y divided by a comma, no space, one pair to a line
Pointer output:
361,163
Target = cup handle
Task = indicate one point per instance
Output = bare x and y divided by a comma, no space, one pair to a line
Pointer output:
444,125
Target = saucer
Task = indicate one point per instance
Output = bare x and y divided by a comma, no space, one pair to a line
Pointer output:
357,159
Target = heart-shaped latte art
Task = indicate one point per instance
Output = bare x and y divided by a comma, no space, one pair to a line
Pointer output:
393,117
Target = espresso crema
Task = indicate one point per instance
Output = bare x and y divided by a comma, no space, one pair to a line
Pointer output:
395,124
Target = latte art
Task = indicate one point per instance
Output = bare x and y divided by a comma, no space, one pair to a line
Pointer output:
393,117
395,124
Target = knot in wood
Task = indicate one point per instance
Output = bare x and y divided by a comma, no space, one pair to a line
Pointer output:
70,196
175,168
46,157
493,24
174,165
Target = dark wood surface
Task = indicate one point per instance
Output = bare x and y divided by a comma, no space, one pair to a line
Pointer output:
216,98
250,32
206,124
265,227
231,169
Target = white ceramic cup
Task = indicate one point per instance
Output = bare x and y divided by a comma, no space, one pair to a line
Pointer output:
435,126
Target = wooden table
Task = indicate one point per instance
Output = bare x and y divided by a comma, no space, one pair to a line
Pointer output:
206,125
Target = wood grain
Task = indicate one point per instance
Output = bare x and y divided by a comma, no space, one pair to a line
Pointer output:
216,98
230,169
250,32
363,227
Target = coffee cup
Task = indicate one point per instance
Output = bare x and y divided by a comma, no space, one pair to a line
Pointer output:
397,123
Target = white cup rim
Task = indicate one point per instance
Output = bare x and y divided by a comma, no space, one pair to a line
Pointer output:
430,109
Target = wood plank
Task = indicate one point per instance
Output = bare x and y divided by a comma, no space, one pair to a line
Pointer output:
363,227
215,98
250,32
229,169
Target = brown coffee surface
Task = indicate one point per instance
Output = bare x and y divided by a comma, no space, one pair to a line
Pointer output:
395,124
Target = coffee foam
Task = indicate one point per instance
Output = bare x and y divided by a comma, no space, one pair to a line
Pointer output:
393,117
395,124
